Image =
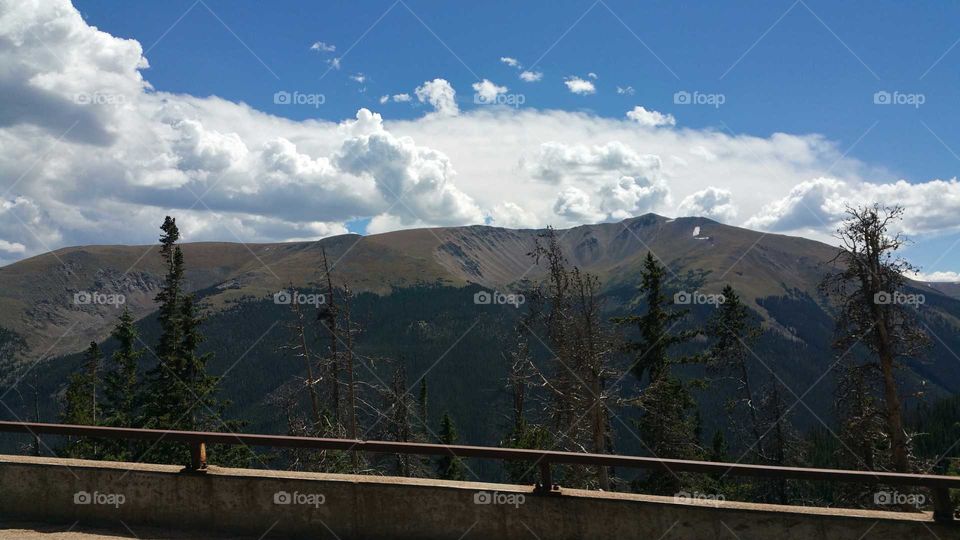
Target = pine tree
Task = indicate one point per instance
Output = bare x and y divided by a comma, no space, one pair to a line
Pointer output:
166,400
120,384
667,422
80,404
179,392
731,330
449,467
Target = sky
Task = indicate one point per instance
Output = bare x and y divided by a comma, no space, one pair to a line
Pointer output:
253,121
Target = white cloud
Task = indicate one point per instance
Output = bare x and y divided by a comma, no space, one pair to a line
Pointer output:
626,90
487,91
359,77
580,86
531,76
321,46
513,216
574,204
714,203
592,75
441,95
397,98
651,118
127,162
512,62
936,277
334,63
12,247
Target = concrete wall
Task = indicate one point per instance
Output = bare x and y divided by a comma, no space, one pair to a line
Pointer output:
249,502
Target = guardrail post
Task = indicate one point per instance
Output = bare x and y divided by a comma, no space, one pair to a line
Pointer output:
198,457
942,507
546,487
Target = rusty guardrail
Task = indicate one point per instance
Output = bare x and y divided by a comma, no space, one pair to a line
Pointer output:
939,485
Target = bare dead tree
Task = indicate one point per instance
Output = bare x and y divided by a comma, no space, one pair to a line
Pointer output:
874,310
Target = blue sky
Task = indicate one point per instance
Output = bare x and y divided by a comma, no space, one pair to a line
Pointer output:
814,71
199,133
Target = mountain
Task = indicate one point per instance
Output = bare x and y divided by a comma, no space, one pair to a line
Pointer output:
415,302
37,295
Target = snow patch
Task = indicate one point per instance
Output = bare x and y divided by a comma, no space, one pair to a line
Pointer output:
696,231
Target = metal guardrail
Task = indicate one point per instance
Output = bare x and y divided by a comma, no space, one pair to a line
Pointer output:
939,485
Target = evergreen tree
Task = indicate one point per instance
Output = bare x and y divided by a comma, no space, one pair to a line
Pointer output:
449,467
179,392
731,329
80,404
166,400
667,423
120,385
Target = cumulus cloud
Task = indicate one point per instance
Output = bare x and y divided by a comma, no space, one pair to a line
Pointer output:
487,91
622,182
512,62
626,90
439,94
111,162
936,277
580,86
714,203
650,118
531,76
821,203
513,216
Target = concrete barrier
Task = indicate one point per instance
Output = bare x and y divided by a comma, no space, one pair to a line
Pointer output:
288,504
